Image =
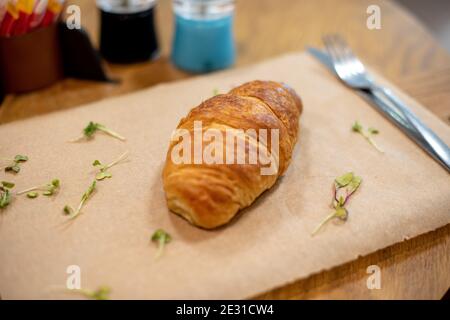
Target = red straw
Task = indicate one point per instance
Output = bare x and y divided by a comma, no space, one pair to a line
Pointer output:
54,7
38,14
12,14
25,8
2,10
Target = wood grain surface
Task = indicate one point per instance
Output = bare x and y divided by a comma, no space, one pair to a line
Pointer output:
402,50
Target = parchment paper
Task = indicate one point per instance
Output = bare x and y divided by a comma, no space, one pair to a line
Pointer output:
404,193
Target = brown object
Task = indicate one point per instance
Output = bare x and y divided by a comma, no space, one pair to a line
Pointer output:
31,61
210,195
402,50
404,194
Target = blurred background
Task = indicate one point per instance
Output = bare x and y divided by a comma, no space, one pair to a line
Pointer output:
435,14
411,48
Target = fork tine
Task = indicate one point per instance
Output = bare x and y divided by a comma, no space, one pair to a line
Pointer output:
340,41
345,59
356,62
329,46
341,61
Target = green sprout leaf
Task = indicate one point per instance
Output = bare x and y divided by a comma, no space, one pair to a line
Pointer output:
215,92
14,168
357,127
55,183
101,293
354,184
5,198
15,163
20,158
5,194
344,180
47,189
373,131
32,194
161,237
103,174
92,127
348,182
73,213
8,185
67,210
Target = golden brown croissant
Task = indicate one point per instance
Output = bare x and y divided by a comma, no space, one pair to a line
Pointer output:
209,185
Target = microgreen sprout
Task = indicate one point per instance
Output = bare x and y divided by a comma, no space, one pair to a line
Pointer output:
104,168
8,185
14,165
357,127
93,127
5,194
102,293
215,92
47,189
161,237
343,188
68,210
32,194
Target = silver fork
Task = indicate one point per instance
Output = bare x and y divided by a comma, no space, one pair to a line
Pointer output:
353,73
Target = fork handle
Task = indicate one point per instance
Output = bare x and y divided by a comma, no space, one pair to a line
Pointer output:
435,146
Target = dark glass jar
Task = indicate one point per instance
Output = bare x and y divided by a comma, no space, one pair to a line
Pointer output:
127,30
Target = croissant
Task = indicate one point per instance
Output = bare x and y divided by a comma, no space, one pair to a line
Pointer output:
209,187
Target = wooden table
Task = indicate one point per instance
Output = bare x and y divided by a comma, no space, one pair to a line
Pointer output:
402,50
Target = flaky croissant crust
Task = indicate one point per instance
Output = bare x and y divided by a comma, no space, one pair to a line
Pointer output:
210,195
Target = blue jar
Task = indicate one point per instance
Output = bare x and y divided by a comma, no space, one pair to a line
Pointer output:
203,39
